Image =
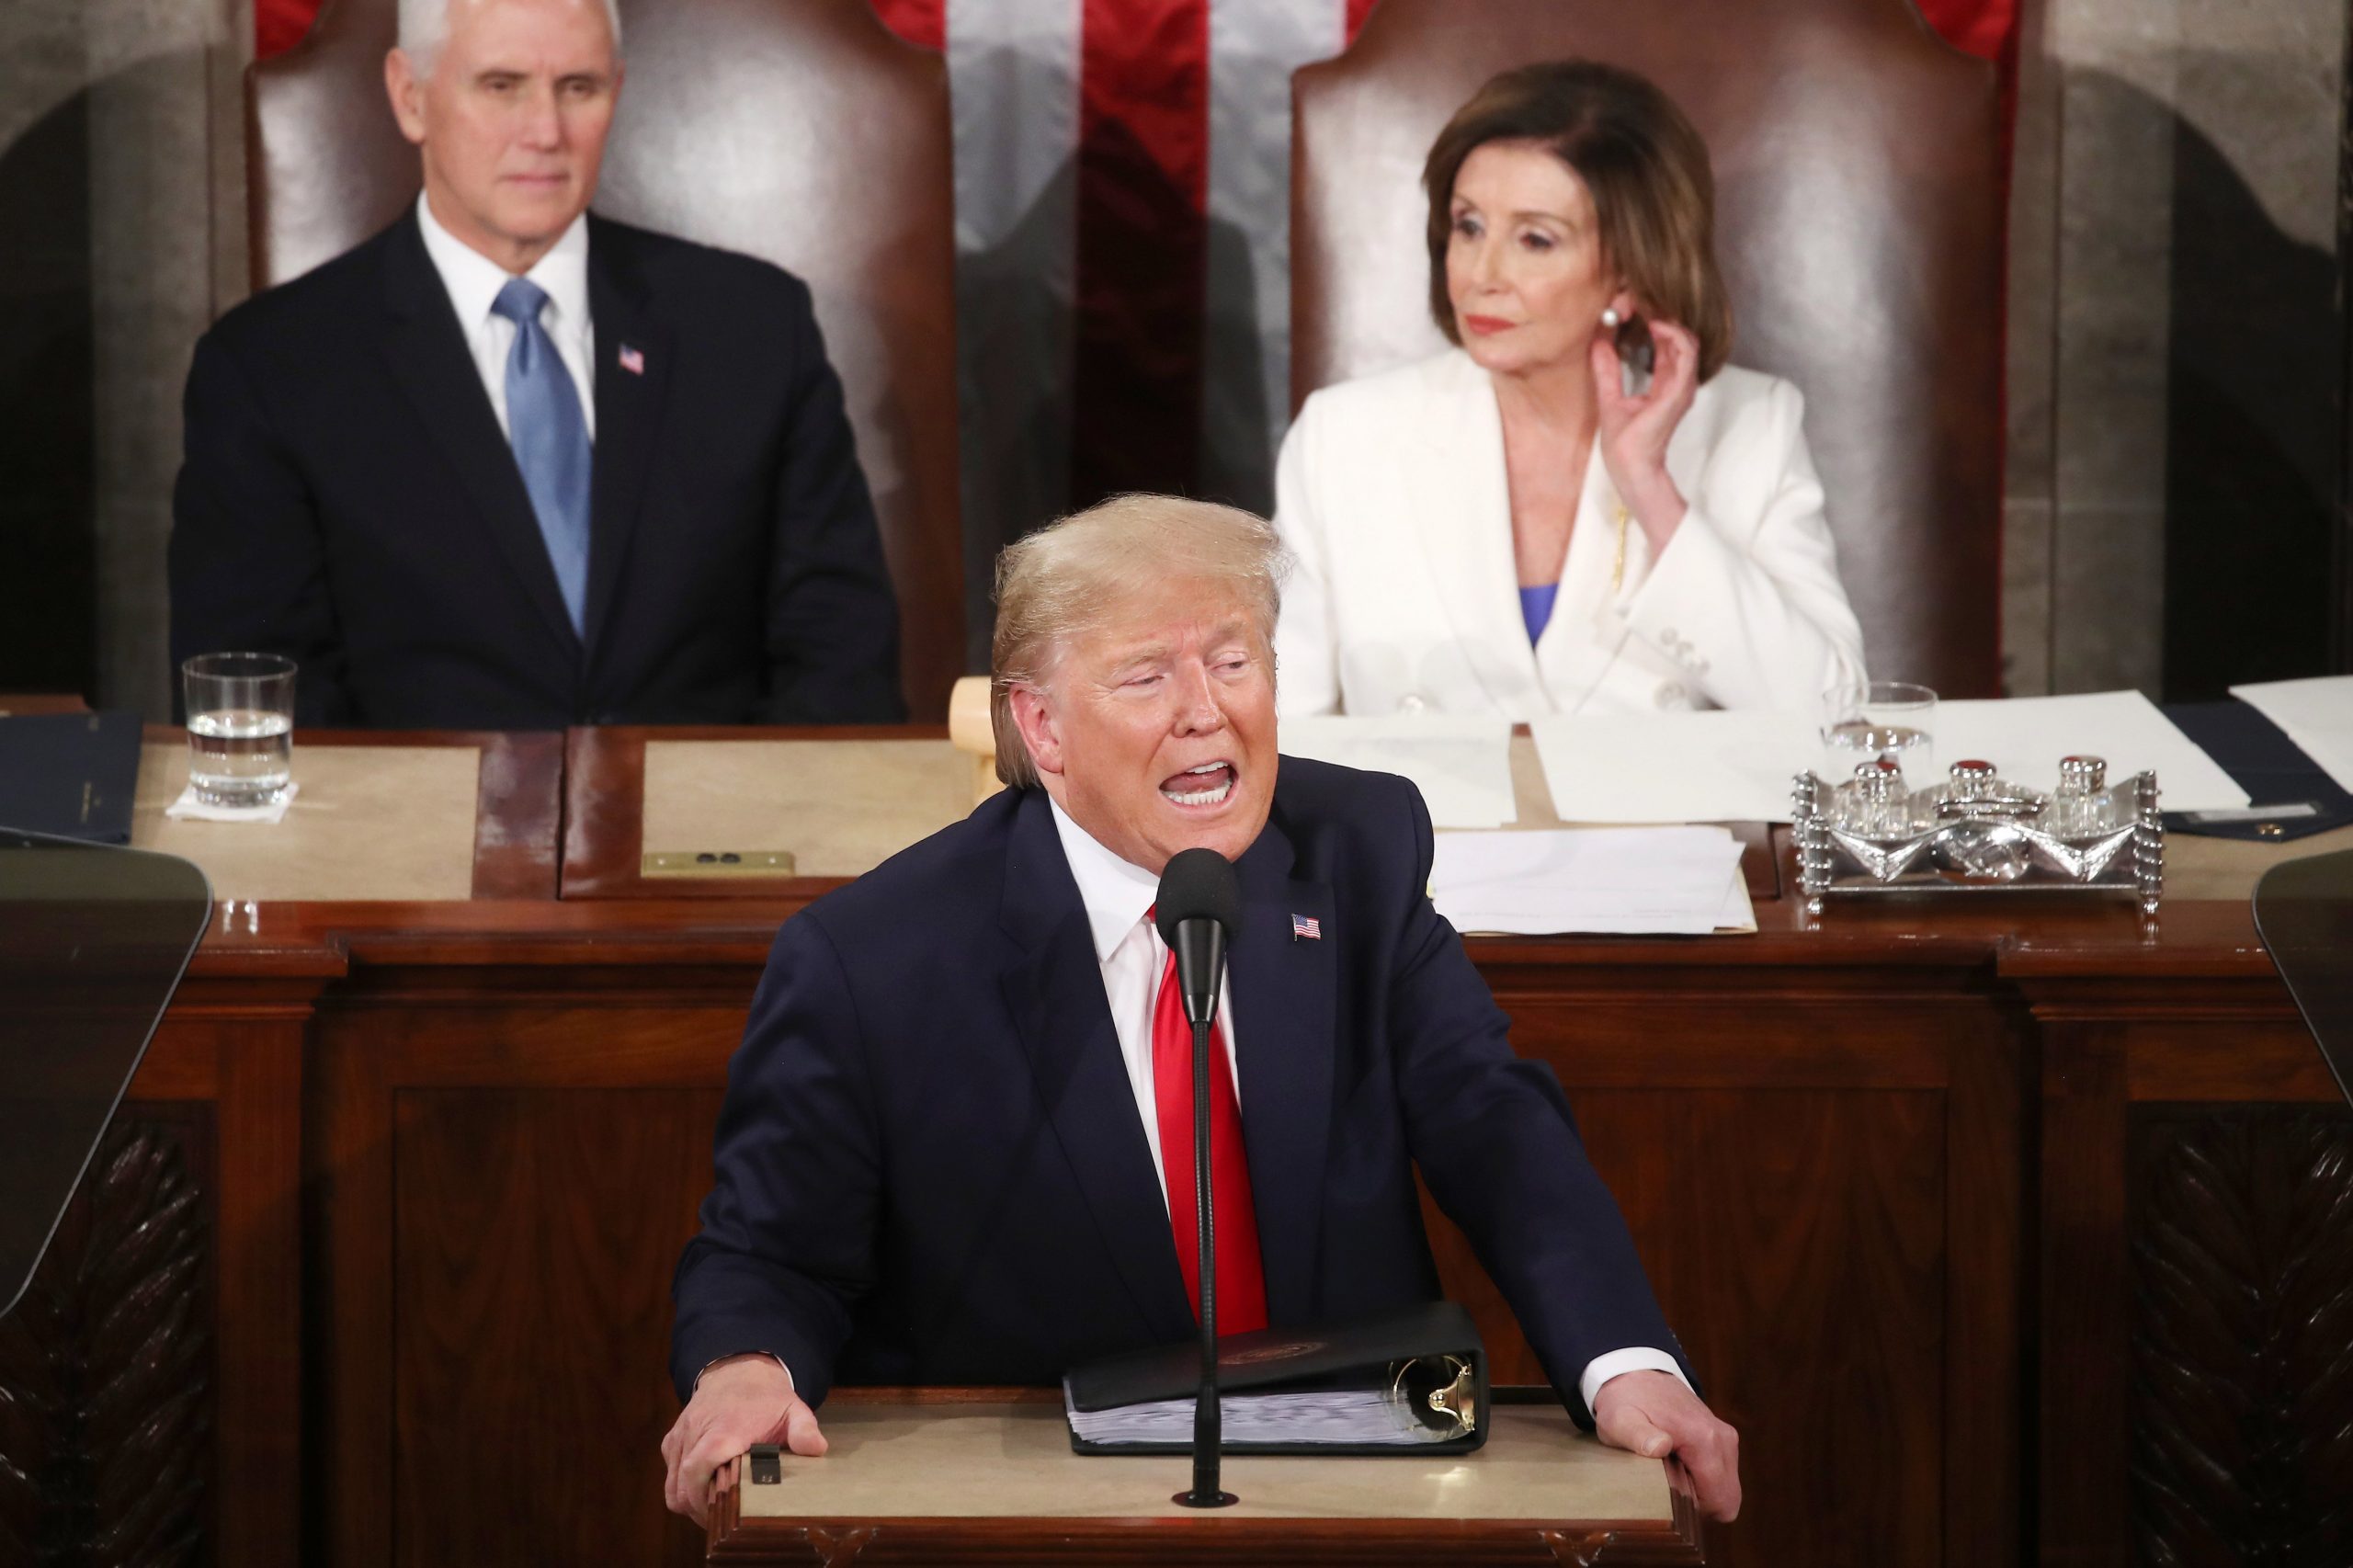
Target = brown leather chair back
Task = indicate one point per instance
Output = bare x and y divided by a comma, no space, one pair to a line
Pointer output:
800,131
1859,189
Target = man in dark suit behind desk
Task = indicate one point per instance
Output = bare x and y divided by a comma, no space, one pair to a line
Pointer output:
506,465
956,1144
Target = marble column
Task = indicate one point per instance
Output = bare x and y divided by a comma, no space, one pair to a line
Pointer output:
2177,372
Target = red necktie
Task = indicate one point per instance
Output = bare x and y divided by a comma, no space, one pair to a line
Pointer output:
1241,1277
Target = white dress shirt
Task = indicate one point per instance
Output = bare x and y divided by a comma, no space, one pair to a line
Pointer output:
474,281
1133,957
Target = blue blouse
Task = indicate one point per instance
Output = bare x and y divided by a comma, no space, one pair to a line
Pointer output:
1536,608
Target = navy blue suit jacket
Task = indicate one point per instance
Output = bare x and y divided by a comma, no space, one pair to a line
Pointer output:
930,1166
347,499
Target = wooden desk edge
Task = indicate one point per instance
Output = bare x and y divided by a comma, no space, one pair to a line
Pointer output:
1679,1541
1675,1542
25,704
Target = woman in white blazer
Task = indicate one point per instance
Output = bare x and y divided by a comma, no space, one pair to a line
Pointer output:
1519,526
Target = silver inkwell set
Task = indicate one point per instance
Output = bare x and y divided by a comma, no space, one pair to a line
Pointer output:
1976,831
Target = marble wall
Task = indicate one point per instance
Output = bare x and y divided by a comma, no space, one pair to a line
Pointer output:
2175,398
120,131
2177,356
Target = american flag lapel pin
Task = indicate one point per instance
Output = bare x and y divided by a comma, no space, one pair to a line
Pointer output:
633,361
1305,929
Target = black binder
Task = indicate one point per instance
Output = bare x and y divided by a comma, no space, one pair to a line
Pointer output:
2264,761
70,774
1406,1382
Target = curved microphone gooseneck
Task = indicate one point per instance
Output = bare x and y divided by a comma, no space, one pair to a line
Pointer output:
1198,911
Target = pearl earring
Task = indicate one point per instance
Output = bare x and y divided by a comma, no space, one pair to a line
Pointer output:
1609,317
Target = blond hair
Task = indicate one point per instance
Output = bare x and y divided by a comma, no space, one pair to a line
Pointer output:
1073,576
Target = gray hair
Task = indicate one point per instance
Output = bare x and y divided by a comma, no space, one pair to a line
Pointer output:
425,27
1069,579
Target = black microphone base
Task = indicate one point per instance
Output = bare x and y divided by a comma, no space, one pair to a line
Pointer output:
1205,1499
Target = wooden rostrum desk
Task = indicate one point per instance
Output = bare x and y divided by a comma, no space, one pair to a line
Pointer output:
1946,1203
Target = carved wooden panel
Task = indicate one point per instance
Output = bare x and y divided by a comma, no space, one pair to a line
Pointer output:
2242,1393
106,1366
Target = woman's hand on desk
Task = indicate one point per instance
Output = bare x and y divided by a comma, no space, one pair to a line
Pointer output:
741,1401
1656,1416
1631,433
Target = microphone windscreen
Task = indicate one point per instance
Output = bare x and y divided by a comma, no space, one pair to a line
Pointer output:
1199,884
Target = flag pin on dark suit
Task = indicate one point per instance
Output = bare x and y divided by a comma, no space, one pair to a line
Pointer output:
1303,930
633,361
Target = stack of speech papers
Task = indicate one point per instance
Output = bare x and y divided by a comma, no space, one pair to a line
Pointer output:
2317,714
1634,880
1737,765
1462,763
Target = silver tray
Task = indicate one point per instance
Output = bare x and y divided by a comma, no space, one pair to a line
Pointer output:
1981,853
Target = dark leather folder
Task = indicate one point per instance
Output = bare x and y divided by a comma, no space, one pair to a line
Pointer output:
1413,1381
70,774
2271,766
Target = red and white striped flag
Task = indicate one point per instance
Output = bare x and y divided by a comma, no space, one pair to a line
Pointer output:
1122,196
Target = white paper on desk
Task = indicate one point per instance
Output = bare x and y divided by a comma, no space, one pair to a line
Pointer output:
1605,878
1462,763
2317,714
1737,912
1718,765
2024,737
1736,766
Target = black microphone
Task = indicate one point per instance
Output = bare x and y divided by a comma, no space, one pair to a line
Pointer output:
1199,911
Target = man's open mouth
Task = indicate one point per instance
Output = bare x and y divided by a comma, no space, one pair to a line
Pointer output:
1207,785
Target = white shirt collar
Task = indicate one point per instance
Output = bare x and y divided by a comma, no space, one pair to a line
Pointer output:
473,280
1116,893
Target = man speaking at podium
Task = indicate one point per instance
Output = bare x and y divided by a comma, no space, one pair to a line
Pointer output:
962,1104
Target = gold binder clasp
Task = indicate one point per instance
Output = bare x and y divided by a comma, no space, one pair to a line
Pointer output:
1439,1392
1460,1398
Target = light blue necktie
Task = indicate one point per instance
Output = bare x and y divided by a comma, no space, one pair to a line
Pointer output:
550,442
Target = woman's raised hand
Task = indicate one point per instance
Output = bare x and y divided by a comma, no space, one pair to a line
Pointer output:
1632,431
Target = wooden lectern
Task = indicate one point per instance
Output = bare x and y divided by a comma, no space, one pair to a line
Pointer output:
963,1475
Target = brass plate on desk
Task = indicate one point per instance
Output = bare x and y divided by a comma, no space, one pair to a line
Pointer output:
718,863
838,808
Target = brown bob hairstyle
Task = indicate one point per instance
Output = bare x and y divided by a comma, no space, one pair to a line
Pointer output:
1645,166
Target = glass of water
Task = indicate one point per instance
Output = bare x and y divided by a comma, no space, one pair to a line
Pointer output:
240,727
1876,721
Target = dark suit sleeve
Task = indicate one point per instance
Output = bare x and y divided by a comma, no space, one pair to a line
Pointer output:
833,624
787,1243
248,566
1496,1143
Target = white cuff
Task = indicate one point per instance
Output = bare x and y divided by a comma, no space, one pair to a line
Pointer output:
1601,1368
789,1385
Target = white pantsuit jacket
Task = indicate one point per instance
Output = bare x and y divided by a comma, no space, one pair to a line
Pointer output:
1391,495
